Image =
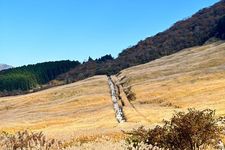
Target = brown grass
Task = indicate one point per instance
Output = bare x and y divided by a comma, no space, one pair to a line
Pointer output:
192,78
68,110
83,110
28,140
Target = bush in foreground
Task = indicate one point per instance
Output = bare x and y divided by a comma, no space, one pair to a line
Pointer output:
28,141
193,130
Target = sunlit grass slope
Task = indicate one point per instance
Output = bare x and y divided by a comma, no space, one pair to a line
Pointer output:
192,78
83,108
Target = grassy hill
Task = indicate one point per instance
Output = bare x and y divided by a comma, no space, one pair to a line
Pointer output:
191,78
66,110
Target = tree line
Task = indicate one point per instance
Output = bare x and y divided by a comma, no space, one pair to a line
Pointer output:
32,76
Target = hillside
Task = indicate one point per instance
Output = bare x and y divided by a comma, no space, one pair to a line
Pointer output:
194,31
191,78
205,25
63,110
81,110
4,66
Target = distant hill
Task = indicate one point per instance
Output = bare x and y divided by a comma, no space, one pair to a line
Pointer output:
194,31
4,66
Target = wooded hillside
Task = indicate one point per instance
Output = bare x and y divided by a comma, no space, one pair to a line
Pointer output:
206,24
24,78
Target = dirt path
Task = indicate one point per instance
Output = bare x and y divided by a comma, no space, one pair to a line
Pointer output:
117,108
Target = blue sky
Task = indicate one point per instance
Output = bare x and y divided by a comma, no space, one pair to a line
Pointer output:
33,31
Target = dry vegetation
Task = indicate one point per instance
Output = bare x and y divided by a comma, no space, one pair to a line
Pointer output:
25,140
62,112
192,78
81,112
194,130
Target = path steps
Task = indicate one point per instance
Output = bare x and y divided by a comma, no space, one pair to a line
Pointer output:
117,108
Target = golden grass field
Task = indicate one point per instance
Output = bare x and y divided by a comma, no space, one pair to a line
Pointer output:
191,78
62,112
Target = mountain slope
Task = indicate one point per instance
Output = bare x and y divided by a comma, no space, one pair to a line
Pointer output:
190,32
191,78
80,108
4,66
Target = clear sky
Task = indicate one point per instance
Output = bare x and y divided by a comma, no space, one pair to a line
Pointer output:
33,31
